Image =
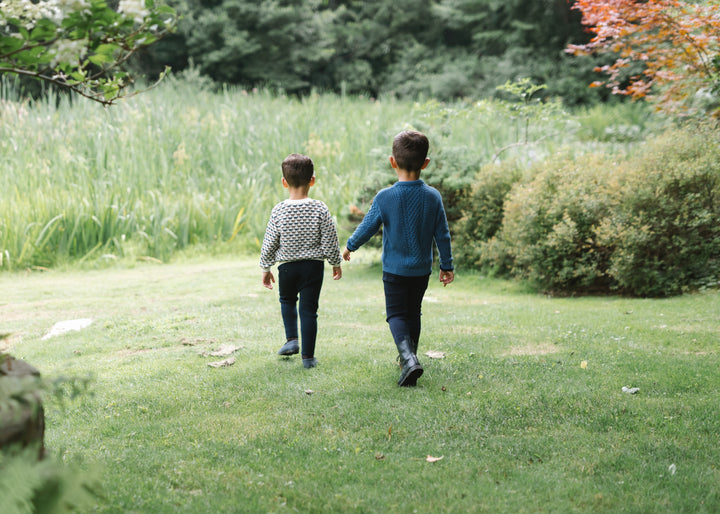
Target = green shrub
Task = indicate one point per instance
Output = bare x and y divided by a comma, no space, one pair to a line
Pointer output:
548,232
482,210
647,226
664,233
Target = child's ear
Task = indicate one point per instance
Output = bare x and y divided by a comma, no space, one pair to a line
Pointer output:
285,183
312,181
427,161
393,162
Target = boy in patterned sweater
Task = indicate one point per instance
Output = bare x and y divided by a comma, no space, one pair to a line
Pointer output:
412,216
300,235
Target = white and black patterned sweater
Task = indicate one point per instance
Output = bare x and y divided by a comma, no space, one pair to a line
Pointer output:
300,230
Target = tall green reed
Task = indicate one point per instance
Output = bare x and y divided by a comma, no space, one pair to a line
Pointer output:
181,166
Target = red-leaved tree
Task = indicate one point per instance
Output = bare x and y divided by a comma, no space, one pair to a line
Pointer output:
667,50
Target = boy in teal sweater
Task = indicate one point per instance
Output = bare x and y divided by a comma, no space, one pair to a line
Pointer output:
413,218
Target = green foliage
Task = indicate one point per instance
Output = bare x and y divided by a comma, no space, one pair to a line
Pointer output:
645,226
483,210
29,486
176,168
620,122
80,46
277,44
445,49
664,234
549,224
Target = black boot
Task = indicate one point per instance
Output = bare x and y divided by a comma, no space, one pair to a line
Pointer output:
411,368
413,348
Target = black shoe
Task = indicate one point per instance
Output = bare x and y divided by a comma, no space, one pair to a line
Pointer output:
290,348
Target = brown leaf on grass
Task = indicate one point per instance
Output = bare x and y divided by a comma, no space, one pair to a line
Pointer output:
379,456
309,392
430,458
435,354
222,364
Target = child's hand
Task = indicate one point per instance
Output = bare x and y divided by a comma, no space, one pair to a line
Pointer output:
446,277
346,254
268,279
337,272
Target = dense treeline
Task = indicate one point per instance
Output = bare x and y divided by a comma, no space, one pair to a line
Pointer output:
439,48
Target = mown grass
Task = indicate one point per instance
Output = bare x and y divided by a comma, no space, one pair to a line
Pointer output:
521,425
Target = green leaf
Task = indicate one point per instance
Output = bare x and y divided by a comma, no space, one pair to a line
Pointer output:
100,59
107,49
43,31
9,44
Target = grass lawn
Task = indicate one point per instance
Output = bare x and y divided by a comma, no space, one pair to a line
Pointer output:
525,412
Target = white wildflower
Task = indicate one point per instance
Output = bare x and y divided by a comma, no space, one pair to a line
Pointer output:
68,51
29,12
72,6
134,9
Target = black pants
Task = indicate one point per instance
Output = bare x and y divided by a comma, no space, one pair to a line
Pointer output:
403,304
303,278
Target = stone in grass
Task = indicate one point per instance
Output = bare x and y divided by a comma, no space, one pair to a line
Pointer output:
630,390
61,327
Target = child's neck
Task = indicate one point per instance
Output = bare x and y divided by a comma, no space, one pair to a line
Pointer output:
407,176
298,193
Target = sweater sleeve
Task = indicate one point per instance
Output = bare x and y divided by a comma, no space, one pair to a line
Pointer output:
442,240
368,227
270,245
329,240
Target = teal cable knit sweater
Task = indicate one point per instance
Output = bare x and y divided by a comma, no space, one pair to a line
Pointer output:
412,216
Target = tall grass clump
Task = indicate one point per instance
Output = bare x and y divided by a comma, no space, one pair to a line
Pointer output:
174,167
184,165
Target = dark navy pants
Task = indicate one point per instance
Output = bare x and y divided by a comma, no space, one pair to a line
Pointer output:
303,279
403,304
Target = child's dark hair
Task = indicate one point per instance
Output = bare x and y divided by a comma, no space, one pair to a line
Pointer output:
410,149
298,169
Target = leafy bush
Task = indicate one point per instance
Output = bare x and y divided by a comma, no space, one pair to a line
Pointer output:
548,229
647,226
28,485
483,209
664,233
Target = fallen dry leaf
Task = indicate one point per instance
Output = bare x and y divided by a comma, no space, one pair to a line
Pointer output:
430,458
583,364
309,391
222,364
435,355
